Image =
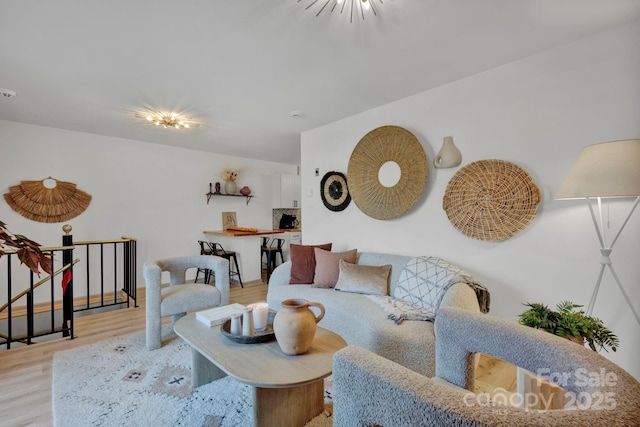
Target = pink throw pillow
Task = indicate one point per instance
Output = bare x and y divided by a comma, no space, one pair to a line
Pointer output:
328,268
303,262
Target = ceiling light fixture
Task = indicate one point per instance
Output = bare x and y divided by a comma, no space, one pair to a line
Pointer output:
7,93
167,120
353,8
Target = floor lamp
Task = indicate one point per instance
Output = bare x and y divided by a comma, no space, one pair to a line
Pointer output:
607,170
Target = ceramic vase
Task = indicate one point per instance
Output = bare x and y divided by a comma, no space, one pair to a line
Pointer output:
245,191
449,156
295,325
230,187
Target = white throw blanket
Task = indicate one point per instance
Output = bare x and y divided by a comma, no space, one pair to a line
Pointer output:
399,310
421,287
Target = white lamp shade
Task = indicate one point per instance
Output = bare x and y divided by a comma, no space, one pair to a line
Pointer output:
610,169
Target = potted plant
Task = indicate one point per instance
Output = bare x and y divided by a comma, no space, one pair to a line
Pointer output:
569,322
28,251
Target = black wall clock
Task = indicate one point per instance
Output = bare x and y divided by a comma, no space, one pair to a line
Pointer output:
334,191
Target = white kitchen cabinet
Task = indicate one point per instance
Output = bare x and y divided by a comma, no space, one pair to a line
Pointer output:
286,191
290,237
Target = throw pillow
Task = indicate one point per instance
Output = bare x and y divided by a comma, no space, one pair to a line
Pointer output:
424,281
363,279
303,262
327,269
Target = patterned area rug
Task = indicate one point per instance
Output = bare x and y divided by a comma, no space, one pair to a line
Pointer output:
117,382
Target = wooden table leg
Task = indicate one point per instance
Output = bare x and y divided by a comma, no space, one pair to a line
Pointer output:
202,370
287,407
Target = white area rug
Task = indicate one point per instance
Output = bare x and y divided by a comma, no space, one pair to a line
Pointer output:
117,382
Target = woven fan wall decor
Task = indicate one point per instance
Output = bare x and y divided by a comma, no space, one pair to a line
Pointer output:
491,200
382,145
47,203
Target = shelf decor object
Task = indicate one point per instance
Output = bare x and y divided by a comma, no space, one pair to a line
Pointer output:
491,200
47,200
228,220
381,146
606,170
230,188
248,195
449,156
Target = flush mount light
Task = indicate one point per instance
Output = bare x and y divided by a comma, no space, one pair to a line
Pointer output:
167,120
7,93
353,8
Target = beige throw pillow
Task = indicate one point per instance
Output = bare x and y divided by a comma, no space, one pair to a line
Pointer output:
327,270
363,279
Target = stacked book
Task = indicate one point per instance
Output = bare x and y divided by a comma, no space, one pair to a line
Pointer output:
218,315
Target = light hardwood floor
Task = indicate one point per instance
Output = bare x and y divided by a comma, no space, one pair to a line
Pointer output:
25,373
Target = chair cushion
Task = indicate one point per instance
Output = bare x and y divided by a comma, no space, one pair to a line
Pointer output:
187,297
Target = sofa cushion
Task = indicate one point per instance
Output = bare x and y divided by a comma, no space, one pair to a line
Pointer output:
327,269
303,262
363,279
424,281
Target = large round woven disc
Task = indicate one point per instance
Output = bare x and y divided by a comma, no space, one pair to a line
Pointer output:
382,145
35,201
491,200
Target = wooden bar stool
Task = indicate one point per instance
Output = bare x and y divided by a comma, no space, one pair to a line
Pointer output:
205,249
219,251
272,253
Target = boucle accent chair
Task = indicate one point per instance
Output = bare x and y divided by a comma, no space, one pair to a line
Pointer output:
371,390
179,297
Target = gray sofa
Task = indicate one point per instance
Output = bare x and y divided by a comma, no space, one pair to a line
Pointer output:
362,322
371,390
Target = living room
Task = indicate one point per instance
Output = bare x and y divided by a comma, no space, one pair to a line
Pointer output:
537,111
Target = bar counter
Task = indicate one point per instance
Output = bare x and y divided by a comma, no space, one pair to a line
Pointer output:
246,245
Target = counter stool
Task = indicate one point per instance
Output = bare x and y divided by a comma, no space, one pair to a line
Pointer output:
205,249
219,251
272,253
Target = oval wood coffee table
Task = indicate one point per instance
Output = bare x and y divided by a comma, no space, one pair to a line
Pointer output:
287,390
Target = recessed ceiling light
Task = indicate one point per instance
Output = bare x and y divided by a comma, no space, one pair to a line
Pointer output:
7,93
167,120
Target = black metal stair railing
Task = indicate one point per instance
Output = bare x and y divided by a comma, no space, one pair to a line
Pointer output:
47,306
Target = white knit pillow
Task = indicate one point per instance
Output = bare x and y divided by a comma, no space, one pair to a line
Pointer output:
423,282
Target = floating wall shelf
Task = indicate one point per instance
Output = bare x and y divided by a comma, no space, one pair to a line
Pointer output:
231,195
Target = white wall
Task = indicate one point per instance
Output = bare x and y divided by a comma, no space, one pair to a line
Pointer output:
152,192
539,113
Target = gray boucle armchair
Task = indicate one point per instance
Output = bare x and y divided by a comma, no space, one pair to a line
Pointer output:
371,390
179,297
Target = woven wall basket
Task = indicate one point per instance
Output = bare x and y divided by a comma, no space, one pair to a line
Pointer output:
382,145
491,200
35,201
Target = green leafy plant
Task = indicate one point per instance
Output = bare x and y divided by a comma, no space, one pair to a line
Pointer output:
28,251
569,322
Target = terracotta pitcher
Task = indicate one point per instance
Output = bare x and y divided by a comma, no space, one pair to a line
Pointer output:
295,325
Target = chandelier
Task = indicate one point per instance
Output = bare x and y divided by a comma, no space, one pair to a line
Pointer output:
167,120
354,8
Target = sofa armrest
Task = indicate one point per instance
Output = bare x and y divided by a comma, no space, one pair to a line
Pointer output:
462,296
281,275
371,390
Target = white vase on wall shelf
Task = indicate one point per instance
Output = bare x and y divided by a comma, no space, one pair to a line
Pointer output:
449,156
230,187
